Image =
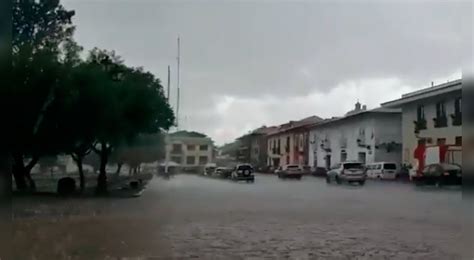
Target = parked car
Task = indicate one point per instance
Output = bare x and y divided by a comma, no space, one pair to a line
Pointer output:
347,172
223,172
209,169
320,171
306,169
290,171
243,172
440,174
382,170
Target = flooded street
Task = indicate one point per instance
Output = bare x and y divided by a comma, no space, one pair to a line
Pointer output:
195,217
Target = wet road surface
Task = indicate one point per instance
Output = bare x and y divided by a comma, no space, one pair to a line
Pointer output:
195,217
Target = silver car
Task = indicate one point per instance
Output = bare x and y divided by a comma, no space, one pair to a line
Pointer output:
347,172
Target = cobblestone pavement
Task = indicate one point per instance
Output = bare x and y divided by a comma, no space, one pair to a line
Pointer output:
196,217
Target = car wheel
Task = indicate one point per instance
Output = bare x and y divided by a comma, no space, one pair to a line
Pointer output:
361,183
338,180
328,180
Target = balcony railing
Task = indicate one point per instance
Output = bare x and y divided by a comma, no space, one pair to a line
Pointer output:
420,125
440,121
457,118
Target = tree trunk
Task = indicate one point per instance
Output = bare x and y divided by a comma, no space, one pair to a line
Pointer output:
82,179
78,158
21,173
102,178
19,177
119,167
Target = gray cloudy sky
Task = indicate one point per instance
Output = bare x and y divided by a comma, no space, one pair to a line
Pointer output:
249,63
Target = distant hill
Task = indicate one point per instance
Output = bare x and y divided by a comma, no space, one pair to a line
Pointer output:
230,148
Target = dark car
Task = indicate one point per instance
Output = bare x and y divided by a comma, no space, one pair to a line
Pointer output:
440,174
306,169
223,172
290,171
243,172
320,171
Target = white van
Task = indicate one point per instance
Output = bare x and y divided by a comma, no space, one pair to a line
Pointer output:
382,170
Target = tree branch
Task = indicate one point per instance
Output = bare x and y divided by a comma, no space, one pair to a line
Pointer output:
74,157
32,163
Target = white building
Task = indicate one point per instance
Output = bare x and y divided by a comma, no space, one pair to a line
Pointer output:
431,116
189,151
361,135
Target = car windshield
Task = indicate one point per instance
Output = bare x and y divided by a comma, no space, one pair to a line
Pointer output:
390,166
353,166
244,167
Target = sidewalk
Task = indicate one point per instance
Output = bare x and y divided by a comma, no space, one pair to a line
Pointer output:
117,185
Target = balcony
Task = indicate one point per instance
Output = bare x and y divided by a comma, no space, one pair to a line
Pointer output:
440,121
457,119
420,125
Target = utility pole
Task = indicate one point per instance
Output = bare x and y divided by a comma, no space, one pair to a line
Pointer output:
177,84
168,92
166,135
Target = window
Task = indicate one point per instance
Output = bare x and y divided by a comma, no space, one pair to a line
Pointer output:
420,113
420,122
458,105
458,140
390,166
353,166
191,160
176,148
278,147
202,160
421,141
441,141
191,147
457,116
362,157
176,159
440,120
203,147
343,156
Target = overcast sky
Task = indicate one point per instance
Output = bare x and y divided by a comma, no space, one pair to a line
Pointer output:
251,63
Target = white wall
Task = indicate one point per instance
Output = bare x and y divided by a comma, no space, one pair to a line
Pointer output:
196,153
410,141
378,128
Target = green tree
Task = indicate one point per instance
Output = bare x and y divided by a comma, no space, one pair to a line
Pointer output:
132,103
145,148
39,29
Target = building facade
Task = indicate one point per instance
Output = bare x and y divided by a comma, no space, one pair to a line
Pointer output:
289,143
362,135
431,116
189,151
253,147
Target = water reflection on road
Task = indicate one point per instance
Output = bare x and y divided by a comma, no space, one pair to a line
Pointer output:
195,217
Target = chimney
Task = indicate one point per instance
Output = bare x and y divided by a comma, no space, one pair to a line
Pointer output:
364,107
432,83
357,106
